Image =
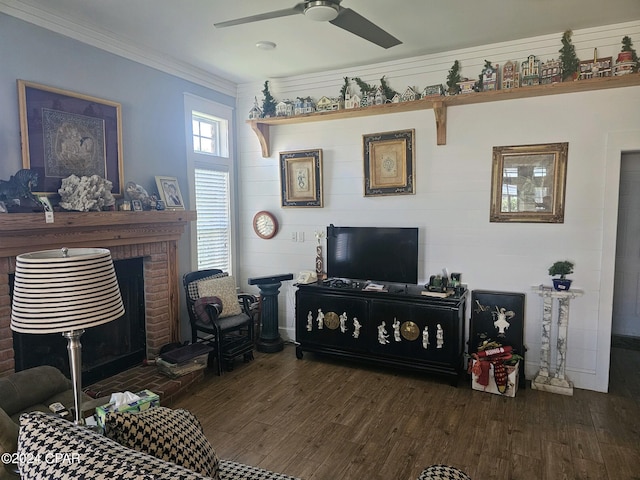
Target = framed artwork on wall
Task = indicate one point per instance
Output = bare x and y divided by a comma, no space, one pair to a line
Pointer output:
169,192
65,133
389,163
528,183
301,178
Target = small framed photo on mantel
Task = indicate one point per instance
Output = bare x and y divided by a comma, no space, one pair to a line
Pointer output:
169,192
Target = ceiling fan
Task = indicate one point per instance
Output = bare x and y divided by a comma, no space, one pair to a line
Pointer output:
327,11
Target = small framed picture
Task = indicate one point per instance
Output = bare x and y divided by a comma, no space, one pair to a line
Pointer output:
136,205
170,192
46,204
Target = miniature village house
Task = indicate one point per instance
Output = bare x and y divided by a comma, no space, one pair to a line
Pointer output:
256,111
530,72
351,100
467,86
409,95
433,91
551,72
490,78
284,108
327,104
598,67
510,75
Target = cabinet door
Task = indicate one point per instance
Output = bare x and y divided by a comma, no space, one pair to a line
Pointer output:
419,332
332,320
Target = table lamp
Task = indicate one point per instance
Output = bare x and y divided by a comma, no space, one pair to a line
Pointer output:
66,291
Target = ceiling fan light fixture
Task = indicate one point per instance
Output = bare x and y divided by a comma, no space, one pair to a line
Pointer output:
265,45
321,11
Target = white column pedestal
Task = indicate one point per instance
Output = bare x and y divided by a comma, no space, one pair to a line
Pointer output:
554,382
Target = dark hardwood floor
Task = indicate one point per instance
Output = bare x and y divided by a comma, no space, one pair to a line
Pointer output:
321,419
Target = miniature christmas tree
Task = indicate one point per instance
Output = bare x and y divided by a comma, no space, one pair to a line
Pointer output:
388,92
627,46
268,104
365,88
453,78
344,89
570,62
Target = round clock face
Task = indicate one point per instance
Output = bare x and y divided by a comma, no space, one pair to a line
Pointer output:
265,225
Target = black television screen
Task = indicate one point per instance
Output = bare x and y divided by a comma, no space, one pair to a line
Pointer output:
378,254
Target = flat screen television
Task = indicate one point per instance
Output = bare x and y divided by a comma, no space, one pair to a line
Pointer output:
377,254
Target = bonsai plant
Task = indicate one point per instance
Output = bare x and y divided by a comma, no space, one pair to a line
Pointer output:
561,268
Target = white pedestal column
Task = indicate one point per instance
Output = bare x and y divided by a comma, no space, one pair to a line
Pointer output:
556,382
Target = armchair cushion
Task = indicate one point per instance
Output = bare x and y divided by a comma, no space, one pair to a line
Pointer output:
225,289
30,387
200,307
172,435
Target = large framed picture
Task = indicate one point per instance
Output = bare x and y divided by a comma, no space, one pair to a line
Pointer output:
66,133
301,178
169,192
389,163
528,183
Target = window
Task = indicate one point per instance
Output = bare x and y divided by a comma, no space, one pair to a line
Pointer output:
211,181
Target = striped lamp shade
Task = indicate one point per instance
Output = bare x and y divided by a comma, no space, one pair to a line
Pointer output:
58,291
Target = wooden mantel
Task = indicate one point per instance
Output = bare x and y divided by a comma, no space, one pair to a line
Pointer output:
26,232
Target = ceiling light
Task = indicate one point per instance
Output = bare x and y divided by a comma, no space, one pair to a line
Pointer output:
321,11
265,45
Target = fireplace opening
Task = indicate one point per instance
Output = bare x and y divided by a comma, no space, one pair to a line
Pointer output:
107,349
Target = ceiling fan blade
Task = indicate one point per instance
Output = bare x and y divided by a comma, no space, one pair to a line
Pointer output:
298,9
355,23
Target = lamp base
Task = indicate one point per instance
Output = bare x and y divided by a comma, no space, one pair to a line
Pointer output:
74,347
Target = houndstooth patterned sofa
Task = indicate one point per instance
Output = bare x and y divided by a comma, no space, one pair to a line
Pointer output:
50,447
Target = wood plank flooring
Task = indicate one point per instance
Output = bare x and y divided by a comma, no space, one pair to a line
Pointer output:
321,419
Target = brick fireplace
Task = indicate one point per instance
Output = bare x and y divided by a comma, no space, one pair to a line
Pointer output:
153,236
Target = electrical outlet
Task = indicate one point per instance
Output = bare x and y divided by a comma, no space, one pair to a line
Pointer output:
294,236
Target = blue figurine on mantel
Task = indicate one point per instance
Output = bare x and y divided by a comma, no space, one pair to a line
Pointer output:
16,192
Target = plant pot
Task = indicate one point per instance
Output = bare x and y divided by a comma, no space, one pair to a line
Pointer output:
562,284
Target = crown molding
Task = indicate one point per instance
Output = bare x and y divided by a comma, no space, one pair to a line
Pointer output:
105,41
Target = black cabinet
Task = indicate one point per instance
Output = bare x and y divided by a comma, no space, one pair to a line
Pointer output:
398,328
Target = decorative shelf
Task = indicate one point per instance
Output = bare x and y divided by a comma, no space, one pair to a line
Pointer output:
439,105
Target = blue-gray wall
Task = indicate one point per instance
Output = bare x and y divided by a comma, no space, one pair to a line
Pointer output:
153,130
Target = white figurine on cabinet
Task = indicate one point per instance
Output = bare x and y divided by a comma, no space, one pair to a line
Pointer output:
356,327
396,330
383,338
439,337
343,322
320,319
309,321
425,337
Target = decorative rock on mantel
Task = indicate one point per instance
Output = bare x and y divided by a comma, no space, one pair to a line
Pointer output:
558,382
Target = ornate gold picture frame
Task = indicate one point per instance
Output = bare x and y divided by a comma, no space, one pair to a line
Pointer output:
528,183
389,163
65,133
301,178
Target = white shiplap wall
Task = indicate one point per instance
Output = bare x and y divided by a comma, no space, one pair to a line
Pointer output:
453,183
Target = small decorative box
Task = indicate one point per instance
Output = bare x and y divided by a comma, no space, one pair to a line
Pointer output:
147,400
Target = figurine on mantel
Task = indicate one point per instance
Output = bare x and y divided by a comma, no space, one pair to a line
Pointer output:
85,194
17,190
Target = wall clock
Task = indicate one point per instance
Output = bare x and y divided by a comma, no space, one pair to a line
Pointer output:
265,225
